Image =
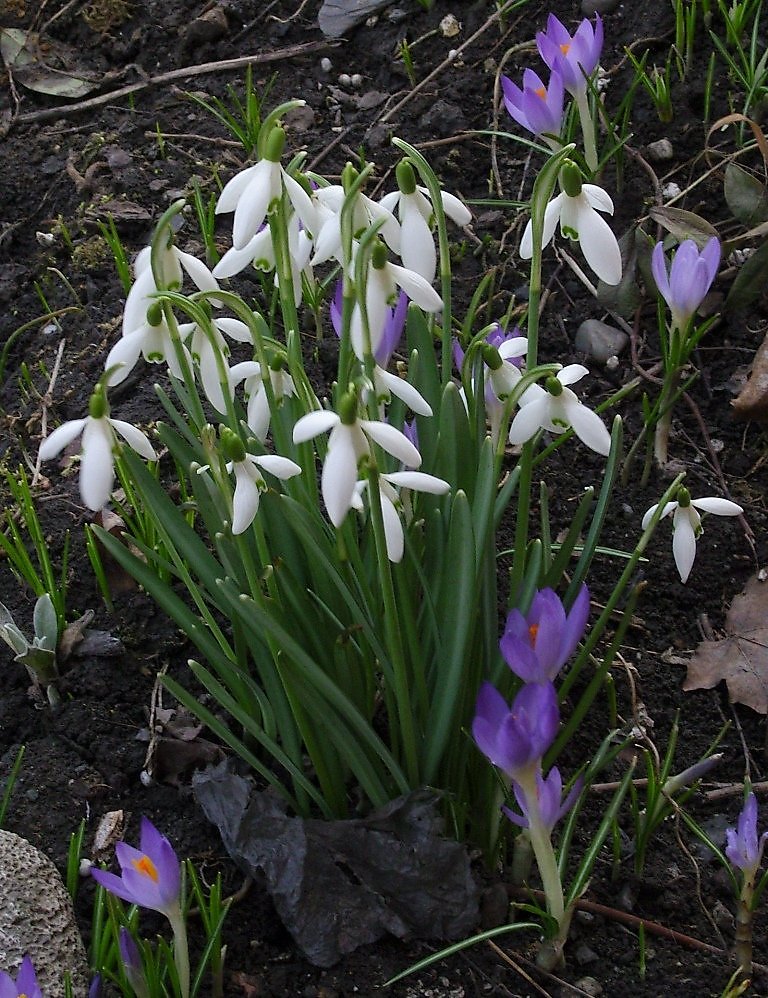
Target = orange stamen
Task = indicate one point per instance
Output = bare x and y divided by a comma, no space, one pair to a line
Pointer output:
146,867
533,630
564,48
541,92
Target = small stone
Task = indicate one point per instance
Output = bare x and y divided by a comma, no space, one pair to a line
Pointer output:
671,190
600,341
326,65
300,119
345,80
450,26
443,119
590,986
585,955
661,151
356,80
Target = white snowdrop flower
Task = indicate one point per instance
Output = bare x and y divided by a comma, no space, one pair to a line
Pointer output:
97,446
556,409
348,444
392,504
387,384
686,524
258,413
210,348
249,480
327,241
576,209
254,192
415,212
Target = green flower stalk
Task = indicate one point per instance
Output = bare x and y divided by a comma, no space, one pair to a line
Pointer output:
745,853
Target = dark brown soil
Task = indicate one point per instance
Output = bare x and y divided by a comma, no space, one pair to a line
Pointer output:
65,169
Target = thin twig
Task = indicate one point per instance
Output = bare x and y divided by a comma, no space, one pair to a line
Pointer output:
161,79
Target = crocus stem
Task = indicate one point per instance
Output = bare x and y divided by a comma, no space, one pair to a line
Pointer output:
588,130
664,424
743,935
180,949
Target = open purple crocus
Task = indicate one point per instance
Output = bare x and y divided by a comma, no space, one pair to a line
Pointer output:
393,327
537,645
25,985
513,737
743,847
536,107
689,279
150,875
575,57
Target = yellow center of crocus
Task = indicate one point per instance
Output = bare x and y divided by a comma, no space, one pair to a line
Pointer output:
146,867
564,48
533,630
541,92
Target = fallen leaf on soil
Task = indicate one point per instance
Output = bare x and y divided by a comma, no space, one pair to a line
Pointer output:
23,55
752,400
117,578
73,635
336,17
740,658
338,885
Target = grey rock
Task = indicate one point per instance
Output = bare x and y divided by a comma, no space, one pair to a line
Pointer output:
337,17
661,151
585,955
590,7
599,340
590,986
443,119
36,918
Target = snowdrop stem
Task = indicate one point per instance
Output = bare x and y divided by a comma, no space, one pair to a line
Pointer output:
401,679
278,228
588,130
432,184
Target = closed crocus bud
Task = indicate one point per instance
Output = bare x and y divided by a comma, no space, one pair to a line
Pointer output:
689,279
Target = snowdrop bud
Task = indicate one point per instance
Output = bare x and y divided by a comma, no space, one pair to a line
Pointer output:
232,445
406,179
97,406
492,358
553,386
273,148
379,256
348,409
570,178
348,176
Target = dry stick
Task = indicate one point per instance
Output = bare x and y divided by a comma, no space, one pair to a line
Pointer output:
633,921
175,74
735,790
550,976
443,65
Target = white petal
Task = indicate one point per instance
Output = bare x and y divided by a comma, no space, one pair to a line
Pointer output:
236,260
234,188
455,209
588,427
61,436
417,247
124,354
528,419
599,246
390,230
314,423
245,502
259,414
198,271
722,507
392,441
302,203
280,467
416,287
339,475
235,329
683,542
138,301
393,529
209,377
137,440
418,481
572,373
598,198
389,201
255,201
403,390
96,468
515,347
649,512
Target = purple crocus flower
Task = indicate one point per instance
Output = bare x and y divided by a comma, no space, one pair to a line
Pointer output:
150,875
549,803
689,279
132,963
393,327
535,107
513,737
743,848
575,57
25,985
538,644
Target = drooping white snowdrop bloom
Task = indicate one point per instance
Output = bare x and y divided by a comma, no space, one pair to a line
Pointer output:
414,209
556,409
348,444
330,201
393,504
258,413
210,349
249,480
255,192
576,209
686,524
99,441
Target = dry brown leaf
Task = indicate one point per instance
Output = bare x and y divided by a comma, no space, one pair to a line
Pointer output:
740,658
752,402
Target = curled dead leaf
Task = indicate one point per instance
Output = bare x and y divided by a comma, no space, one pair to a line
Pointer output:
752,400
